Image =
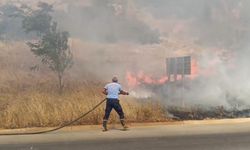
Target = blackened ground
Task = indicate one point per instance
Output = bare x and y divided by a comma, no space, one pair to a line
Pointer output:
197,113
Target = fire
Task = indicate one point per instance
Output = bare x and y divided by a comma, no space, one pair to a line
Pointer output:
211,65
141,78
132,80
194,69
135,79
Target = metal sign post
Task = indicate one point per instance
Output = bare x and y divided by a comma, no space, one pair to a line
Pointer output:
178,66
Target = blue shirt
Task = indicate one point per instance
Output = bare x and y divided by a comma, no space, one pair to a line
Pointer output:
113,90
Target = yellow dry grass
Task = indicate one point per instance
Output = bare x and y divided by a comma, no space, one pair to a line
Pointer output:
30,99
39,109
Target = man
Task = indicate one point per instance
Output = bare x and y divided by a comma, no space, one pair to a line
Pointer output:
112,90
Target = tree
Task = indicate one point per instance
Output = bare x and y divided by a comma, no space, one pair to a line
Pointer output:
10,24
38,21
52,47
54,51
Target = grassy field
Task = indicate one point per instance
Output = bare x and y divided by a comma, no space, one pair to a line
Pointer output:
33,108
30,98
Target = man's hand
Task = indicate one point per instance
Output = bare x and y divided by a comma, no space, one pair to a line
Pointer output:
105,92
124,93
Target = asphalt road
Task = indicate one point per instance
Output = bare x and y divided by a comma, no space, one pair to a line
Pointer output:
194,136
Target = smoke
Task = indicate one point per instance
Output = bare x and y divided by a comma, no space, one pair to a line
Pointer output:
107,21
218,29
114,37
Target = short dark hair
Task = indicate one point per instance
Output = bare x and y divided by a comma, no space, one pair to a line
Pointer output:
114,79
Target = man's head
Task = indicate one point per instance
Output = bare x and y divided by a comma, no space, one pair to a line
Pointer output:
114,79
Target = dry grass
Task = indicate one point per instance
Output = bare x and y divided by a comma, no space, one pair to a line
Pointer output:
36,109
34,102
30,99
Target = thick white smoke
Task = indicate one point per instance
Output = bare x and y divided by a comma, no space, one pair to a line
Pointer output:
112,37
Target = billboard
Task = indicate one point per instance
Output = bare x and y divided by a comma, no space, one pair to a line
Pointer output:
179,65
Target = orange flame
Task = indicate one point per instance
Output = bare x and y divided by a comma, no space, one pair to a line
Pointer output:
132,80
141,78
136,79
194,69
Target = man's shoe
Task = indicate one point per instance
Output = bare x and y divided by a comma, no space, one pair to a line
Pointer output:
124,125
105,130
125,128
105,126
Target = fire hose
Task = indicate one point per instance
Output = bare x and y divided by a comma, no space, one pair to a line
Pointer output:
57,128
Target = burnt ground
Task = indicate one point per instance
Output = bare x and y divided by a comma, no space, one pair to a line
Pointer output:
177,113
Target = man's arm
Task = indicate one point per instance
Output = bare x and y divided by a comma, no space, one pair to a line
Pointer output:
105,91
123,92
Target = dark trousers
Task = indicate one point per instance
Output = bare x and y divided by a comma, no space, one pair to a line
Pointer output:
110,104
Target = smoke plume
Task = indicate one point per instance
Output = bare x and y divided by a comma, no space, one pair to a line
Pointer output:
121,37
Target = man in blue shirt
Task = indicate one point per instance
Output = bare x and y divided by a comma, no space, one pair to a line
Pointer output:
113,90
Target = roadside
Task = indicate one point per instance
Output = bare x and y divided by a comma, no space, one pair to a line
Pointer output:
137,130
133,125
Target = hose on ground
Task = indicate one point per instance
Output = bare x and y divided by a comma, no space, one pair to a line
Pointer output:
57,128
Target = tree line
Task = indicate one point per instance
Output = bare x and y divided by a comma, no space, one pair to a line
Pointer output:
51,44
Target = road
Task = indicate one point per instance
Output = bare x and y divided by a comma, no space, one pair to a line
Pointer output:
222,135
